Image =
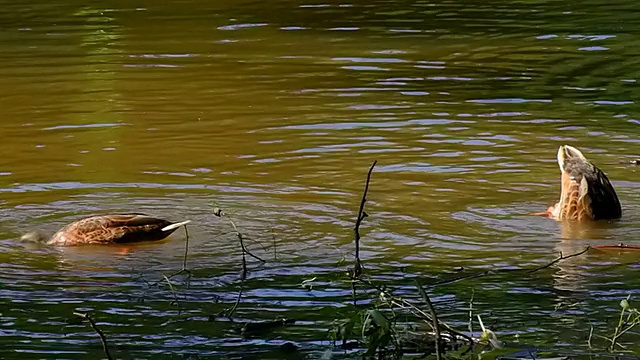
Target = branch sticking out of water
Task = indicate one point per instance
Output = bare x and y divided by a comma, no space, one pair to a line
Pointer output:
434,318
103,338
219,213
186,232
357,268
471,312
186,248
184,261
560,258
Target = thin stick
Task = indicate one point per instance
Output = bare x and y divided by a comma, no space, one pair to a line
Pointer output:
103,339
186,248
619,331
434,317
173,291
462,277
275,252
219,213
184,262
357,269
240,237
473,292
235,305
496,271
244,257
561,257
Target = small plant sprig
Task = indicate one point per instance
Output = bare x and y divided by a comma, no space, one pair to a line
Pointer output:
625,324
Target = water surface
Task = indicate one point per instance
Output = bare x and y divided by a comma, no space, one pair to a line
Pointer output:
274,112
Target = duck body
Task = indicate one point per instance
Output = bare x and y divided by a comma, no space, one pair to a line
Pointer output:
110,229
586,192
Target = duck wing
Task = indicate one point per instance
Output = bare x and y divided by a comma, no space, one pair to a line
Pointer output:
604,200
591,190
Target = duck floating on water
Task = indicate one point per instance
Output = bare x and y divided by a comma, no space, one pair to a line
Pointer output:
586,192
109,229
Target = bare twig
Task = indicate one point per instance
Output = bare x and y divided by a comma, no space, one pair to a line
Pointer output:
184,262
434,317
186,248
275,252
235,305
103,339
357,269
173,291
473,292
219,213
496,271
244,257
560,258
242,238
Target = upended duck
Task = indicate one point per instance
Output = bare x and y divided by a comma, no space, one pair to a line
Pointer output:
109,229
586,193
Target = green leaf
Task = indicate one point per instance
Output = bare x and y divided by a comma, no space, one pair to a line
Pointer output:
347,330
374,341
381,320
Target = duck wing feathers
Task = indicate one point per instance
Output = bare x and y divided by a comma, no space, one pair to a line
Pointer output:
589,193
116,228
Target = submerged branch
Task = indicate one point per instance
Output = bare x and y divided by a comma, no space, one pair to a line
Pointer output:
357,269
496,271
173,291
434,318
103,338
235,305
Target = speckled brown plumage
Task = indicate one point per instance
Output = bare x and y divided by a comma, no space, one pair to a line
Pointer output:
586,192
110,229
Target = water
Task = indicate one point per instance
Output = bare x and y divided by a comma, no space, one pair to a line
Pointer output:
274,113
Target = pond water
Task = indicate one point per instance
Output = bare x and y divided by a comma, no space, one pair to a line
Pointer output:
274,112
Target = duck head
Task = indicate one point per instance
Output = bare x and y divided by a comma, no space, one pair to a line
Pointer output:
35,236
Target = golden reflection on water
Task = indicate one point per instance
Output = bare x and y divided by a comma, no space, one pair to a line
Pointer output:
296,115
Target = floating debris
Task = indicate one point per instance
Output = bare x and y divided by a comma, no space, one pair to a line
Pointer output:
256,328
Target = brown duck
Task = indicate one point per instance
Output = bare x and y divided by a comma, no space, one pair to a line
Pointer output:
109,229
586,193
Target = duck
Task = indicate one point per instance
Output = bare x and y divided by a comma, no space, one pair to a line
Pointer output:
108,229
586,192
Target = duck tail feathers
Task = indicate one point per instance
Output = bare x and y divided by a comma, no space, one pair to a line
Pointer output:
175,225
